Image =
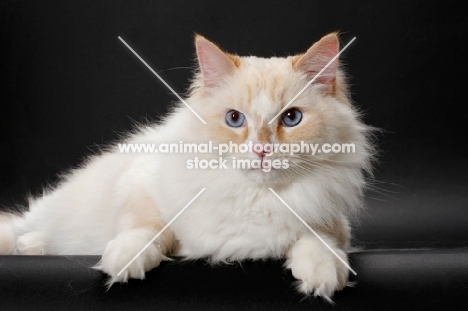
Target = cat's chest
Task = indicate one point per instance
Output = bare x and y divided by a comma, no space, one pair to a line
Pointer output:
257,229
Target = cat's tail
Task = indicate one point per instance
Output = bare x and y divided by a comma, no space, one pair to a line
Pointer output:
7,235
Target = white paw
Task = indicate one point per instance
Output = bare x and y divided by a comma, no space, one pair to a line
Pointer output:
31,243
123,249
318,271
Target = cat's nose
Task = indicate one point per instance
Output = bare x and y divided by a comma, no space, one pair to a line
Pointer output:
261,154
259,149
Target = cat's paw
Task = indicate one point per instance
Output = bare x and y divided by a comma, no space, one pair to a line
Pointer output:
319,271
31,243
123,249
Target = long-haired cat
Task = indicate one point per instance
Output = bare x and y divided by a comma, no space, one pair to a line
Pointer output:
116,203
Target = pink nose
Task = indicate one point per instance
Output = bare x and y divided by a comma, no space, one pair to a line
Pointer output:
261,153
259,149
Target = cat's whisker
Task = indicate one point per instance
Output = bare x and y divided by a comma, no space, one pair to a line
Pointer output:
376,190
373,186
373,198
373,180
174,68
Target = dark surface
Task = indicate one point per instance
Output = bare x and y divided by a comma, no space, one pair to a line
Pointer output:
68,84
407,280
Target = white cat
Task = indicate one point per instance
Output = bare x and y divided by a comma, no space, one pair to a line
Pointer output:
118,202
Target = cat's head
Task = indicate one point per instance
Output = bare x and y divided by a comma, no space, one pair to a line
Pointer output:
244,99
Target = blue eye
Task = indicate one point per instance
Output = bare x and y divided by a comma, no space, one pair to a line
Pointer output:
291,117
235,118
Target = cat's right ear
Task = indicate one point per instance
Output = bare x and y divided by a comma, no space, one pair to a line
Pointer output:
214,63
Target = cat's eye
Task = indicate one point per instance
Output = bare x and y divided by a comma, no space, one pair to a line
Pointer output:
291,117
235,118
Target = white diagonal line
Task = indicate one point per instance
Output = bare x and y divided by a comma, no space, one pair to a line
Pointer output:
312,81
160,232
313,231
161,79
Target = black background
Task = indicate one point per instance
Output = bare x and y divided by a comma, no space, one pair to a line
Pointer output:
69,84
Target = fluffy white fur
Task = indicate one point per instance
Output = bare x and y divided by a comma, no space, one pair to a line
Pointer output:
116,203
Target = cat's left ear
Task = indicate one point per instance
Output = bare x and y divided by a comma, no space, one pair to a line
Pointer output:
214,63
317,57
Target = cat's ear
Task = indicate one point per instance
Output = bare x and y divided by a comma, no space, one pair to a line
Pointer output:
317,57
214,63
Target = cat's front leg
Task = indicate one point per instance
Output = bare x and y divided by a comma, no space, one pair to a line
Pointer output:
140,223
122,250
317,269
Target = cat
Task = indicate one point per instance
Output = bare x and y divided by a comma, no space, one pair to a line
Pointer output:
117,202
